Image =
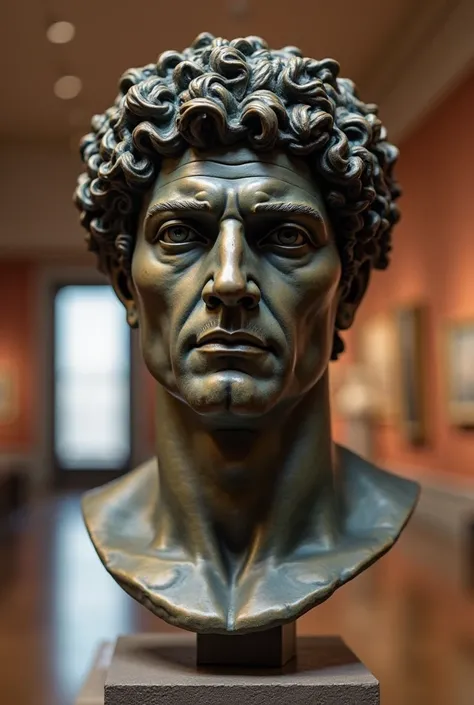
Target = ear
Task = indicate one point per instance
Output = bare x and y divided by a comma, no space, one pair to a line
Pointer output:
123,287
349,304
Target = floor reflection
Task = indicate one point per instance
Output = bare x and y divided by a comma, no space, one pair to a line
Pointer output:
85,604
409,617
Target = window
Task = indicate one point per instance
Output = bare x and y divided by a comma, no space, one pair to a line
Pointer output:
92,379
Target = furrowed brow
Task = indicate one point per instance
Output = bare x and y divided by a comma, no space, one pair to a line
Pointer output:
289,208
179,204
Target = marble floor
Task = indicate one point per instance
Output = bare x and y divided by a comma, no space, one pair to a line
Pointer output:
410,617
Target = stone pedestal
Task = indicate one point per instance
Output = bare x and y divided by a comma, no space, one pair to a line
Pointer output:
161,670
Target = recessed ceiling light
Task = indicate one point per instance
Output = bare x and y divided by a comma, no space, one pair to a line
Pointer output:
61,32
68,87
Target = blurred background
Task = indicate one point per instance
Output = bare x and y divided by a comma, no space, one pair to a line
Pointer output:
76,405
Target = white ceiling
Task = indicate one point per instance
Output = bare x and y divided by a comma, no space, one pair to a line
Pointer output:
375,42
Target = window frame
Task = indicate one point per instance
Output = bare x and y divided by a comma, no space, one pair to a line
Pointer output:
78,478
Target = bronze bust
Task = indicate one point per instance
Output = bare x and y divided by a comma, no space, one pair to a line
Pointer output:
238,198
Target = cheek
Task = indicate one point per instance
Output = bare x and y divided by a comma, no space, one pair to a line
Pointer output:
148,280
152,298
161,287
165,295
319,285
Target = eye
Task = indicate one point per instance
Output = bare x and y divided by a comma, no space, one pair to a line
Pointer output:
287,236
177,233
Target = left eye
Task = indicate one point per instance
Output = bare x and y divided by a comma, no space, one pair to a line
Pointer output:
287,236
179,234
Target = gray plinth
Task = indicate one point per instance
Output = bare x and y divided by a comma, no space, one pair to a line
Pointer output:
152,669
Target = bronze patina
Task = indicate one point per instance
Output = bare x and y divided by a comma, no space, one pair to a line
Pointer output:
238,198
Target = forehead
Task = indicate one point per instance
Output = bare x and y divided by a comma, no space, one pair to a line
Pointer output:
276,172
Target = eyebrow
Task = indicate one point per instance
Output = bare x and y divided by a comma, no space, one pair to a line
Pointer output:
191,204
290,208
179,204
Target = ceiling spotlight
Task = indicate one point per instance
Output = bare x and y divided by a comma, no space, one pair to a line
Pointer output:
67,87
61,32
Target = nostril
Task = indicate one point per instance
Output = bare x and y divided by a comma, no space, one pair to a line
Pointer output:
212,302
217,294
248,302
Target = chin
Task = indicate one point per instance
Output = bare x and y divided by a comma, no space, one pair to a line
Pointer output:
230,395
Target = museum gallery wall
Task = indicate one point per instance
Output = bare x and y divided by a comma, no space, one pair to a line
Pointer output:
431,267
430,276
18,401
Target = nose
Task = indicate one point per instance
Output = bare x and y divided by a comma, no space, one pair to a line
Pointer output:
229,285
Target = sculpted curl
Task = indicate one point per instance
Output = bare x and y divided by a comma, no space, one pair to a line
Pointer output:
220,92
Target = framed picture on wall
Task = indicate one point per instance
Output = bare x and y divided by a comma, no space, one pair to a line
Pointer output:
377,351
8,397
460,373
411,325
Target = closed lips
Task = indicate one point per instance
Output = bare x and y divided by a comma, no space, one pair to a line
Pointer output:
234,339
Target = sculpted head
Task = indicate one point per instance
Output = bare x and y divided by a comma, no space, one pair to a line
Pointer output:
238,199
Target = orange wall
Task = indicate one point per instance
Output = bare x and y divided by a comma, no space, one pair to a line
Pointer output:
17,351
433,263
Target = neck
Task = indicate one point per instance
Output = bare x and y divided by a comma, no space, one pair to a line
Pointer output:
236,496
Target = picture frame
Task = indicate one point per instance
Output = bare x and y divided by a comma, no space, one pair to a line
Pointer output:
8,395
391,346
460,373
377,351
411,327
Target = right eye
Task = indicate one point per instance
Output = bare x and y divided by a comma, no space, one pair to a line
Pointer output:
177,233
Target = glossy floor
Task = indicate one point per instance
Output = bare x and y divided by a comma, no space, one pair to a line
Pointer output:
410,617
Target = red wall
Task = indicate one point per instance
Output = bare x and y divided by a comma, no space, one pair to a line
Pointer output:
433,263
18,348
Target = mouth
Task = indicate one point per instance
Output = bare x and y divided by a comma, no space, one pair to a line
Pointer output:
240,342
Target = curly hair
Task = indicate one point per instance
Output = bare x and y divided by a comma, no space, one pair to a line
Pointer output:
220,93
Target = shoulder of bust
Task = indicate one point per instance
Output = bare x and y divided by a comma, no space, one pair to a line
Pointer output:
125,504
376,499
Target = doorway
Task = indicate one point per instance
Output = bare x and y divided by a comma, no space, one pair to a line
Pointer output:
92,386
